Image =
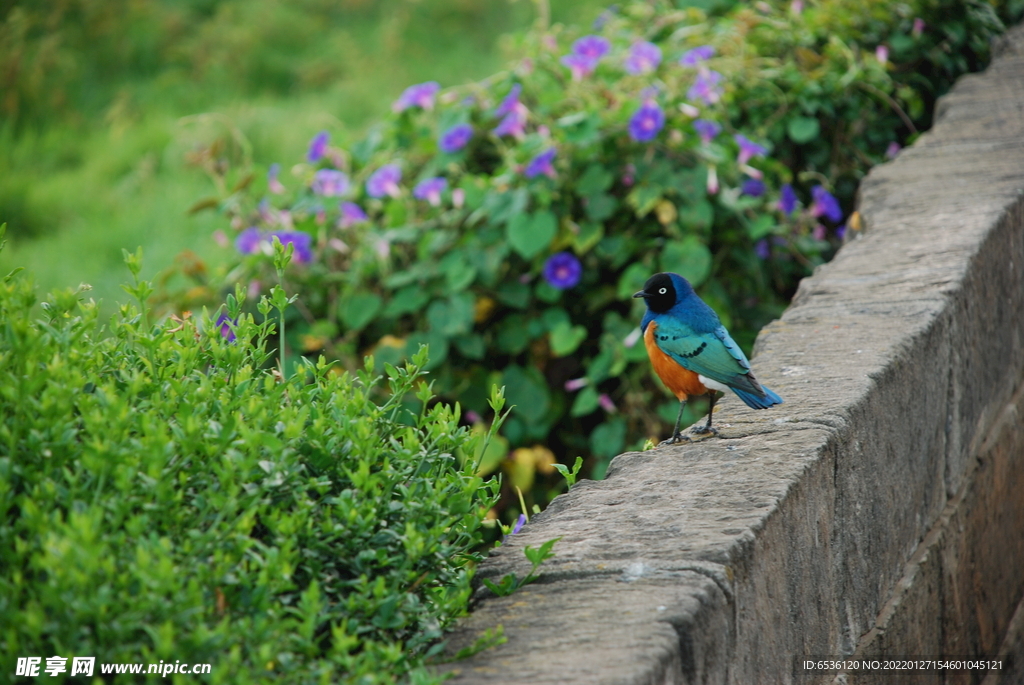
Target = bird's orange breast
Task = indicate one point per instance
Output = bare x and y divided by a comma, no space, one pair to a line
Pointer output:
682,382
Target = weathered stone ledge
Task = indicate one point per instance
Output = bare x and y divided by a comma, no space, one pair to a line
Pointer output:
879,511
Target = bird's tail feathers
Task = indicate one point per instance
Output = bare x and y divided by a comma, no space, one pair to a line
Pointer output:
755,402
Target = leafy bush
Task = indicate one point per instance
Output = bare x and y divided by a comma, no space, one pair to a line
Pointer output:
163,497
505,223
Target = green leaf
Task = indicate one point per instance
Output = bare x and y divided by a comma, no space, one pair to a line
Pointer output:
761,226
410,299
689,257
458,271
359,309
453,316
596,179
588,236
608,439
585,402
600,206
530,234
525,388
514,294
633,279
696,217
644,198
565,338
470,346
803,129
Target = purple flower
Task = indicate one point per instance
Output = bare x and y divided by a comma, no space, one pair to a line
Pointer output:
762,249
591,47
420,95
430,189
317,147
351,214
579,65
697,56
787,200
384,181
303,243
707,130
330,183
748,149
606,403
575,384
841,231
514,123
643,57
706,87
893,150
273,185
227,327
918,28
646,122
520,522
510,102
753,187
455,138
823,203
541,164
248,241
562,270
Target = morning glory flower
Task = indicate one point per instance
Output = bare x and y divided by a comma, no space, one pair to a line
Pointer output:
706,87
787,199
575,384
226,325
351,214
823,203
420,95
606,403
455,138
646,122
430,190
274,185
514,123
763,249
643,57
318,147
510,102
330,183
541,164
707,130
303,243
697,56
893,150
753,187
748,149
248,241
520,522
591,47
579,65
562,270
384,181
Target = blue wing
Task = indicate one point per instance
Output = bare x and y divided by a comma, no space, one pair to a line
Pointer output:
714,355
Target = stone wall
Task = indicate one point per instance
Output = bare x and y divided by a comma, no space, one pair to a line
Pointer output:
879,511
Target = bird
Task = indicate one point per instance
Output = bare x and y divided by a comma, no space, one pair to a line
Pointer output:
692,352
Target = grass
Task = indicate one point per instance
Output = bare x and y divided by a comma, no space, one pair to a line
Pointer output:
111,170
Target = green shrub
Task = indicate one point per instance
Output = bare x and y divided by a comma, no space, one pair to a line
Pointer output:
165,497
517,264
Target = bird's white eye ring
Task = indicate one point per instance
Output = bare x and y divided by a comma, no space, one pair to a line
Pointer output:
662,291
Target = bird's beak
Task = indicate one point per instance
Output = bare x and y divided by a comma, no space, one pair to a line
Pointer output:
641,294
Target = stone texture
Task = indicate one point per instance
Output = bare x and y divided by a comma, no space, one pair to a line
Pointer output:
876,512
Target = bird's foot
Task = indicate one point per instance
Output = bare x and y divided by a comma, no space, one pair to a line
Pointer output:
704,431
675,440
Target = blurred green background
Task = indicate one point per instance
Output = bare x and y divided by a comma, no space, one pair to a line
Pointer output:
105,107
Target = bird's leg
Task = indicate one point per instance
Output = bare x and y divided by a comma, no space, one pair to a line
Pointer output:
676,435
706,428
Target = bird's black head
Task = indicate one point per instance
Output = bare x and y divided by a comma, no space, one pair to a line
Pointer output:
660,291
